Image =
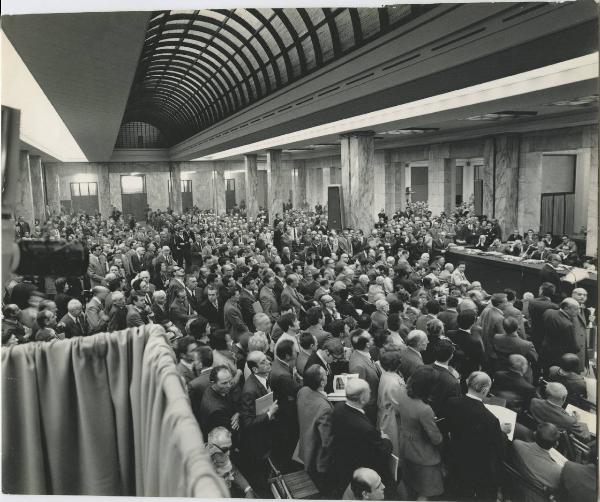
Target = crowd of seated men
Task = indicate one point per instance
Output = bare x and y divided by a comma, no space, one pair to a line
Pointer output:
252,307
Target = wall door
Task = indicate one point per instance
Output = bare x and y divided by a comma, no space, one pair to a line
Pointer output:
187,196
84,197
558,213
134,197
229,194
419,179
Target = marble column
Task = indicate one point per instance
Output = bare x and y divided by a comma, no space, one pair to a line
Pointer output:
357,159
275,198
52,188
218,187
529,210
251,172
301,180
390,189
438,176
37,187
591,248
449,185
24,199
325,186
175,196
468,181
506,182
400,185
488,177
104,190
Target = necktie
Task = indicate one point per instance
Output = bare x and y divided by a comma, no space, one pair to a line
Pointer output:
78,322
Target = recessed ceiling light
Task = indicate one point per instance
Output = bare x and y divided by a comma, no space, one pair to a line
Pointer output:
582,101
502,115
407,131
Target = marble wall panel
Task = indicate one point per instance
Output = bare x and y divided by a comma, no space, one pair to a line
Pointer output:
104,190
488,177
301,182
400,185
52,187
592,214
175,199
390,189
275,183
24,198
251,173
507,182
218,190
37,187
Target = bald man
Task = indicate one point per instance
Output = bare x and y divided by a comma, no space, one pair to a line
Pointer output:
356,441
551,410
477,442
366,484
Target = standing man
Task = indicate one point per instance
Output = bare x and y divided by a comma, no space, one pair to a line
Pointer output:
361,363
314,418
94,311
559,333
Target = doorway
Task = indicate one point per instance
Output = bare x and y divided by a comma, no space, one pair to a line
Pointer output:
133,196
419,179
187,196
229,194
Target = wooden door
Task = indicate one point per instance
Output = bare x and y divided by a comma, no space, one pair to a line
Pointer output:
84,197
419,180
134,197
187,196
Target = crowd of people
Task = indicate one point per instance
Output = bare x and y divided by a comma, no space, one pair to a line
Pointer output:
253,306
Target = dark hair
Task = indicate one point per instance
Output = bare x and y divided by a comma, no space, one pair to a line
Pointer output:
312,376
390,361
498,299
284,348
134,297
511,294
313,315
60,284
364,321
218,339
421,383
197,327
359,341
546,435
214,373
433,307
183,344
396,306
336,327
569,362
451,302
547,289
306,340
286,321
206,356
443,350
466,319
510,324
394,322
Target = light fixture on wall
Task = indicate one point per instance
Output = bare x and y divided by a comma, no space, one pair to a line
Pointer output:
189,172
581,101
410,131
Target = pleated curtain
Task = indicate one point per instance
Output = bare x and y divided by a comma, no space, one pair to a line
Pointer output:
101,415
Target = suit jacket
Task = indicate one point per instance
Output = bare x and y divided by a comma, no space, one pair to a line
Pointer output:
135,318
476,446
549,274
285,389
269,304
290,297
511,311
234,321
213,315
368,371
315,436
117,318
92,315
215,411
536,308
543,411
319,333
420,436
559,337
137,263
469,354
256,431
447,385
301,361
410,360
246,304
513,387
180,314
95,271
357,443
161,315
315,359
379,320
71,328
490,321
534,462
187,374
196,388
174,286
194,298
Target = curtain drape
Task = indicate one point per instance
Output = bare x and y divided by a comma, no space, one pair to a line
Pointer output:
101,415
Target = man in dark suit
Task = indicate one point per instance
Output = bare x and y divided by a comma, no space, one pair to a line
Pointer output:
356,441
137,260
189,364
136,315
217,408
247,301
549,272
559,336
447,382
180,311
256,430
536,309
477,442
117,316
490,321
192,293
450,315
74,321
234,322
362,364
198,385
511,384
314,418
329,351
467,338
285,389
211,310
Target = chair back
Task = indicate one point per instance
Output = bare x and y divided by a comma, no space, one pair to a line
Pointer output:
517,488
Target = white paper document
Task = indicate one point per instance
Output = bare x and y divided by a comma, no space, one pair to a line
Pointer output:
585,417
263,403
504,416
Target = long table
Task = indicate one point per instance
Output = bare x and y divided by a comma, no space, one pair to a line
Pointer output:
496,274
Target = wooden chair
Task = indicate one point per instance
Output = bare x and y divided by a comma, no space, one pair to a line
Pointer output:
517,488
576,450
295,485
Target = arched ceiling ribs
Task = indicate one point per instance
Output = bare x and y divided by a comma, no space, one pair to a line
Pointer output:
200,67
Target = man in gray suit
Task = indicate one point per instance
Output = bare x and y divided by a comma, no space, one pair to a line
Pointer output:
268,300
360,362
94,311
410,356
314,418
490,321
96,271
